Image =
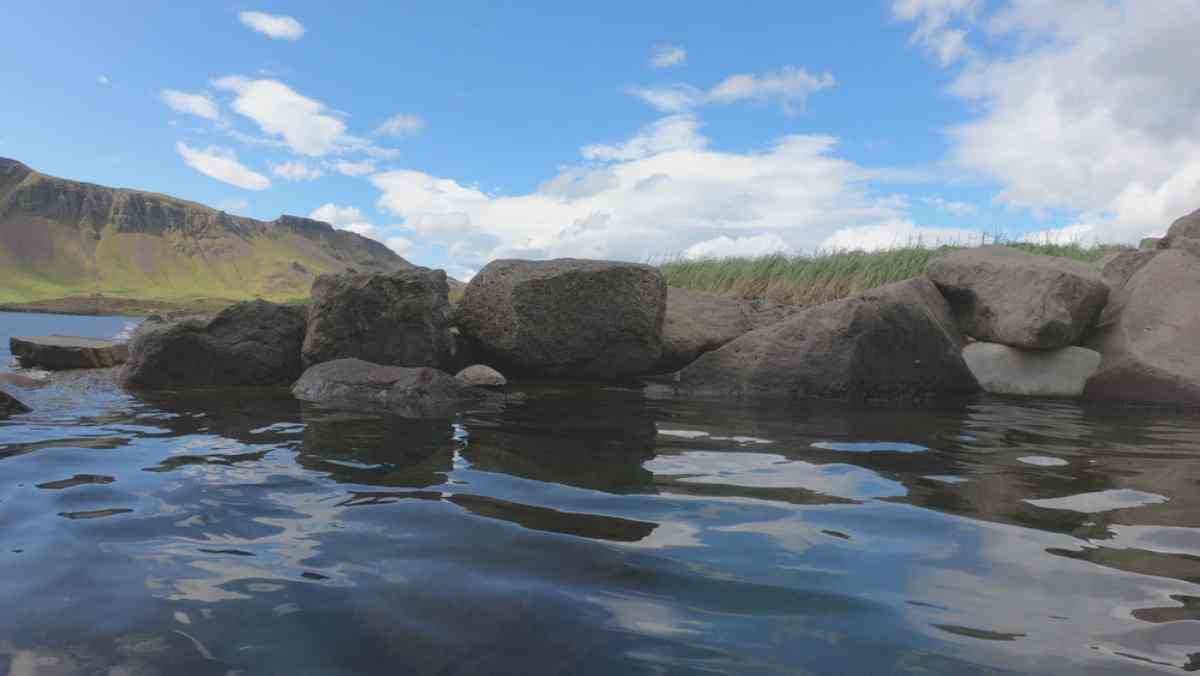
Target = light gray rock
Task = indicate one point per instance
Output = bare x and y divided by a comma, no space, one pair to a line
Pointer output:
482,375
895,343
397,319
597,320
1184,234
1117,268
10,406
249,343
1001,369
1002,295
411,392
59,353
1149,336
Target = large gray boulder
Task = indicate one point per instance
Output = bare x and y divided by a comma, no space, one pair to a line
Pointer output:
1002,295
1001,369
59,353
697,322
1149,336
413,392
397,319
250,343
586,319
1116,268
1184,234
895,343
10,406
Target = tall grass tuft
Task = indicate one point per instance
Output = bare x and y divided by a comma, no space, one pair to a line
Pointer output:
820,277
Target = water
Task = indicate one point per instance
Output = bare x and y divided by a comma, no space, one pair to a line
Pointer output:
591,530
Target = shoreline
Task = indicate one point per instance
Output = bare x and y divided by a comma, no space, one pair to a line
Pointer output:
101,306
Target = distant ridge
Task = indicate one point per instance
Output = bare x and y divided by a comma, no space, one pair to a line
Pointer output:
65,238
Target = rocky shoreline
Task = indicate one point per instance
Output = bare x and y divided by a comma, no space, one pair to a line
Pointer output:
991,318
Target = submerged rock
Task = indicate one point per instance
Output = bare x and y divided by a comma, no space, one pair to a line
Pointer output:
897,342
416,392
598,320
1149,336
1002,295
58,353
1001,369
9,405
397,319
250,343
481,375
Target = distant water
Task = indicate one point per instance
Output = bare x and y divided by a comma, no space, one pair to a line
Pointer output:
591,530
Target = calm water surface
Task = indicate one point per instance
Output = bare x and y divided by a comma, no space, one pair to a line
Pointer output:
590,530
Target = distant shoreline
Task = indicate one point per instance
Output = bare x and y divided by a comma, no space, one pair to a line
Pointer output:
117,307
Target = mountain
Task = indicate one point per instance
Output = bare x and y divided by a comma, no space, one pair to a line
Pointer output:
63,238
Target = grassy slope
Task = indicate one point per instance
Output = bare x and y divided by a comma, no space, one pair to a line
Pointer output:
820,278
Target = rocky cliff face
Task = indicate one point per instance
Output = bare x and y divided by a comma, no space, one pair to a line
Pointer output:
61,237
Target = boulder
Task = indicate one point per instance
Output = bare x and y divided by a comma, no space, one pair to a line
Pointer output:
1117,268
1184,234
1001,369
10,406
397,319
895,343
1149,336
481,375
249,343
414,392
586,319
1002,295
18,380
696,323
58,353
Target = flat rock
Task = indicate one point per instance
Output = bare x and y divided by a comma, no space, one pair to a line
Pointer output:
895,343
599,320
413,392
481,375
1001,295
58,353
18,380
1001,369
1117,268
1149,336
10,406
396,319
249,343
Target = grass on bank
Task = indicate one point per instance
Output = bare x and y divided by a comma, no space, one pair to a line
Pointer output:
827,276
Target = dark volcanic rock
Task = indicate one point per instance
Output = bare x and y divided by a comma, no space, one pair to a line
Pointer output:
1002,295
398,319
10,406
251,343
1117,268
1149,336
698,322
416,392
586,319
898,342
58,353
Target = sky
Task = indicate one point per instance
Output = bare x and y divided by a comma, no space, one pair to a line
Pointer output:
461,132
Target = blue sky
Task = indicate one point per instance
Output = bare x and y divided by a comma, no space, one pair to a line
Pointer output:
460,132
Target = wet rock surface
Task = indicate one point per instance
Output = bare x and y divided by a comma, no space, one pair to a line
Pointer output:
250,343
58,353
415,392
1001,295
9,405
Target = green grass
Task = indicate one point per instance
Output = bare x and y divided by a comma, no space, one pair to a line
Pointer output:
822,277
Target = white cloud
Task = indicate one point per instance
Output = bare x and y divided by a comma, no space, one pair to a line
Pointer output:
935,32
400,125
233,206
1089,107
668,56
296,171
303,123
199,105
344,218
790,85
348,168
955,208
677,132
103,79
748,246
223,165
401,245
656,194
896,233
276,26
